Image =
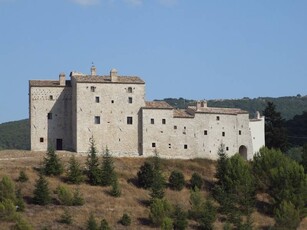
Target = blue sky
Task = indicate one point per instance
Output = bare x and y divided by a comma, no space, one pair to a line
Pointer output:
201,49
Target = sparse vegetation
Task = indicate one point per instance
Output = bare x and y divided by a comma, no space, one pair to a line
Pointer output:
52,164
125,220
176,180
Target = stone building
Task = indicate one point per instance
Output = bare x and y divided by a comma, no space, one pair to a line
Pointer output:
112,109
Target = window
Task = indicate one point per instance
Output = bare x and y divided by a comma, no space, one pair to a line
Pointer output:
217,118
130,100
129,89
112,101
50,97
169,146
129,120
240,132
97,119
49,116
93,88
175,126
205,132
152,121
153,144
163,121
227,148
185,146
41,140
223,134
97,99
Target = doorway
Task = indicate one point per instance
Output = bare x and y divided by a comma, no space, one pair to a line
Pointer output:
243,152
59,144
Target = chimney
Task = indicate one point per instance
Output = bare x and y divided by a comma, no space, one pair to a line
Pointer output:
113,75
93,71
62,79
200,105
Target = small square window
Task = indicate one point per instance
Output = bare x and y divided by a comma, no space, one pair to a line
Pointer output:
93,88
217,118
50,97
49,116
41,140
112,101
223,134
152,121
175,126
129,89
205,132
163,121
240,132
129,120
169,146
97,99
153,144
185,146
97,119
130,100
227,148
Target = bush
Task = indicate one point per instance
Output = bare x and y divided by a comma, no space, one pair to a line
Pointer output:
159,208
41,191
179,216
66,217
21,224
77,199
52,164
115,191
286,216
20,204
207,216
167,224
125,220
7,210
104,225
107,170
65,196
176,180
23,177
196,181
7,189
91,223
145,176
74,174
93,171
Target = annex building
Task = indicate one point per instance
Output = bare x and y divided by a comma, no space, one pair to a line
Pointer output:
67,113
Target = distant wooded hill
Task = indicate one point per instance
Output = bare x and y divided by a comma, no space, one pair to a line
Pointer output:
16,134
287,106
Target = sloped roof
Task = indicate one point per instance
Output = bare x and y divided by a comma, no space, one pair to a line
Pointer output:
157,105
213,110
47,83
182,113
107,79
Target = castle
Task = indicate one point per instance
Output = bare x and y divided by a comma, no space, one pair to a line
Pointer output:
112,109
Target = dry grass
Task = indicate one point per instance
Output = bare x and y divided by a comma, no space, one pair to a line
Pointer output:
97,199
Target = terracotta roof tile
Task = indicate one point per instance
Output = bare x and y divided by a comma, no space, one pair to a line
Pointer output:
213,110
157,105
107,79
47,83
182,113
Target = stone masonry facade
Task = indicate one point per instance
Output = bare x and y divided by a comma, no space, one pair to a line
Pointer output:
112,110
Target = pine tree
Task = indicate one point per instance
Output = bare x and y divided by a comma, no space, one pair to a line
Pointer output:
286,216
7,189
41,191
115,191
22,176
145,175
275,131
93,172
107,170
125,220
74,174
104,225
196,201
179,216
207,216
66,217
176,180
91,223
158,183
304,157
196,181
159,209
52,164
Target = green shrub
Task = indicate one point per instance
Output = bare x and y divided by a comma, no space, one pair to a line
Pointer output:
125,220
176,180
21,224
66,217
179,216
115,191
20,204
145,175
167,224
7,210
91,223
64,195
196,181
107,169
23,177
207,216
286,216
196,201
104,225
159,208
7,189
92,162
77,199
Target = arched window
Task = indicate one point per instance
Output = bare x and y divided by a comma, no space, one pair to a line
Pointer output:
243,152
129,89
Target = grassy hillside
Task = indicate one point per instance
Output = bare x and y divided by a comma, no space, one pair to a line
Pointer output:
15,135
133,201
